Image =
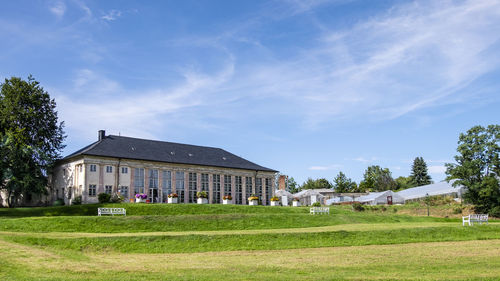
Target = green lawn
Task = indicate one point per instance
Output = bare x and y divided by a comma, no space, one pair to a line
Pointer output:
207,242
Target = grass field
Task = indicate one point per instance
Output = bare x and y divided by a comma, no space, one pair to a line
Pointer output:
207,242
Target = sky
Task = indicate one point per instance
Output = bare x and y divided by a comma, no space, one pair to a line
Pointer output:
308,88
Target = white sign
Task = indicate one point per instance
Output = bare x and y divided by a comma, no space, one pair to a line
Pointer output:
284,200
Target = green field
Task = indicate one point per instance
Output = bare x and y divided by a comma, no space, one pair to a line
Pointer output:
206,242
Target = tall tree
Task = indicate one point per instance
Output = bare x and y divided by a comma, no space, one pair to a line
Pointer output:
342,184
419,175
376,178
316,184
292,186
403,183
477,167
31,137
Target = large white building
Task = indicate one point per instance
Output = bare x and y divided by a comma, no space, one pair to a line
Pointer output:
129,166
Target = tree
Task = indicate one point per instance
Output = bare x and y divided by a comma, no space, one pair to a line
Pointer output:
419,175
31,137
477,167
377,179
292,187
342,184
403,183
316,184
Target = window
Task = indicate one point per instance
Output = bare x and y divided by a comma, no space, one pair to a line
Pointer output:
166,186
124,191
92,190
179,185
108,189
216,189
192,187
227,185
258,188
153,179
124,170
204,182
80,167
268,191
139,180
248,186
109,169
93,167
238,190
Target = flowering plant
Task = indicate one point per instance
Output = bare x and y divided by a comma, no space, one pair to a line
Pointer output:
202,194
173,195
275,198
296,199
253,198
141,196
227,197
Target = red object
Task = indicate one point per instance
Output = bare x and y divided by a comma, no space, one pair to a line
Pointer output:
389,200
147,201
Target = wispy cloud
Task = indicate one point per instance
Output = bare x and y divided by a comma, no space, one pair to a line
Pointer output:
58,9
112,15
364,160
325,168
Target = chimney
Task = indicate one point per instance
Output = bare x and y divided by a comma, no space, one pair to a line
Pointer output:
101,134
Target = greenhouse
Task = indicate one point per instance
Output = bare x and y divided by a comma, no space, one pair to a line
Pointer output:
379,198
442,188
309,196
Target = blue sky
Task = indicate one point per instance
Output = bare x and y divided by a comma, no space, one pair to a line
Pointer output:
309,88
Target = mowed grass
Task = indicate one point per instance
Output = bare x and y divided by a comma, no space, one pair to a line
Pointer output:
207,242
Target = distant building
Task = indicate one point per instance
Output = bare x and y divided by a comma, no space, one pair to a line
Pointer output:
381,198
128,166
442,188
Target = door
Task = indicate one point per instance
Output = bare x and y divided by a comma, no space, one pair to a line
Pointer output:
153,195
389,200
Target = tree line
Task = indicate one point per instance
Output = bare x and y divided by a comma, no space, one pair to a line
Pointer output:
375,178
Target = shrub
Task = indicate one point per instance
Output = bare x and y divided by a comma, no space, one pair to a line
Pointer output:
59,202
275,198
316,204
77,200
141,196
202,194
296,199
357,207
103,197
395,210
227,197
253,197
457,210
173,195
383,208
495,212
116,198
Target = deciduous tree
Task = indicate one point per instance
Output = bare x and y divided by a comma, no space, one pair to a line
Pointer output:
376,178
31,136
342,184
477,167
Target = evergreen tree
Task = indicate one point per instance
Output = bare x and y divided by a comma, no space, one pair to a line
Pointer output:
419,175
343,184
31,137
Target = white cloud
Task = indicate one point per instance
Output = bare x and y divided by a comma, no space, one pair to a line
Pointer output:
325,168
364,160
437,169
112,15
58,9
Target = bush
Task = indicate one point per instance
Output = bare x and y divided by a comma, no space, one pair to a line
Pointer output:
77,200
395,210
383,208
202,194
116,198
316,204
495,212
357,207
103,197
457,210
58,202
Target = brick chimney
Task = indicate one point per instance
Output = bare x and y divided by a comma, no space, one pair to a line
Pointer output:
101,134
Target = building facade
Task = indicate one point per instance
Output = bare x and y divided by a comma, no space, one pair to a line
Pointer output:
129,166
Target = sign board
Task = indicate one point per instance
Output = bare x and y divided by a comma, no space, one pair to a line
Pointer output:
284,200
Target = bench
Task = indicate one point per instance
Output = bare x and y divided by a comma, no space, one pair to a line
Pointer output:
320,210
111,211
470,219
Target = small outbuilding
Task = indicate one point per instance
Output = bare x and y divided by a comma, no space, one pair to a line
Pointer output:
309,196
442,188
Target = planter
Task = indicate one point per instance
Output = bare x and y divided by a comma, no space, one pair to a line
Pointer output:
140,200
202,201
172,200
226,202
253,202
275,203
296,203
